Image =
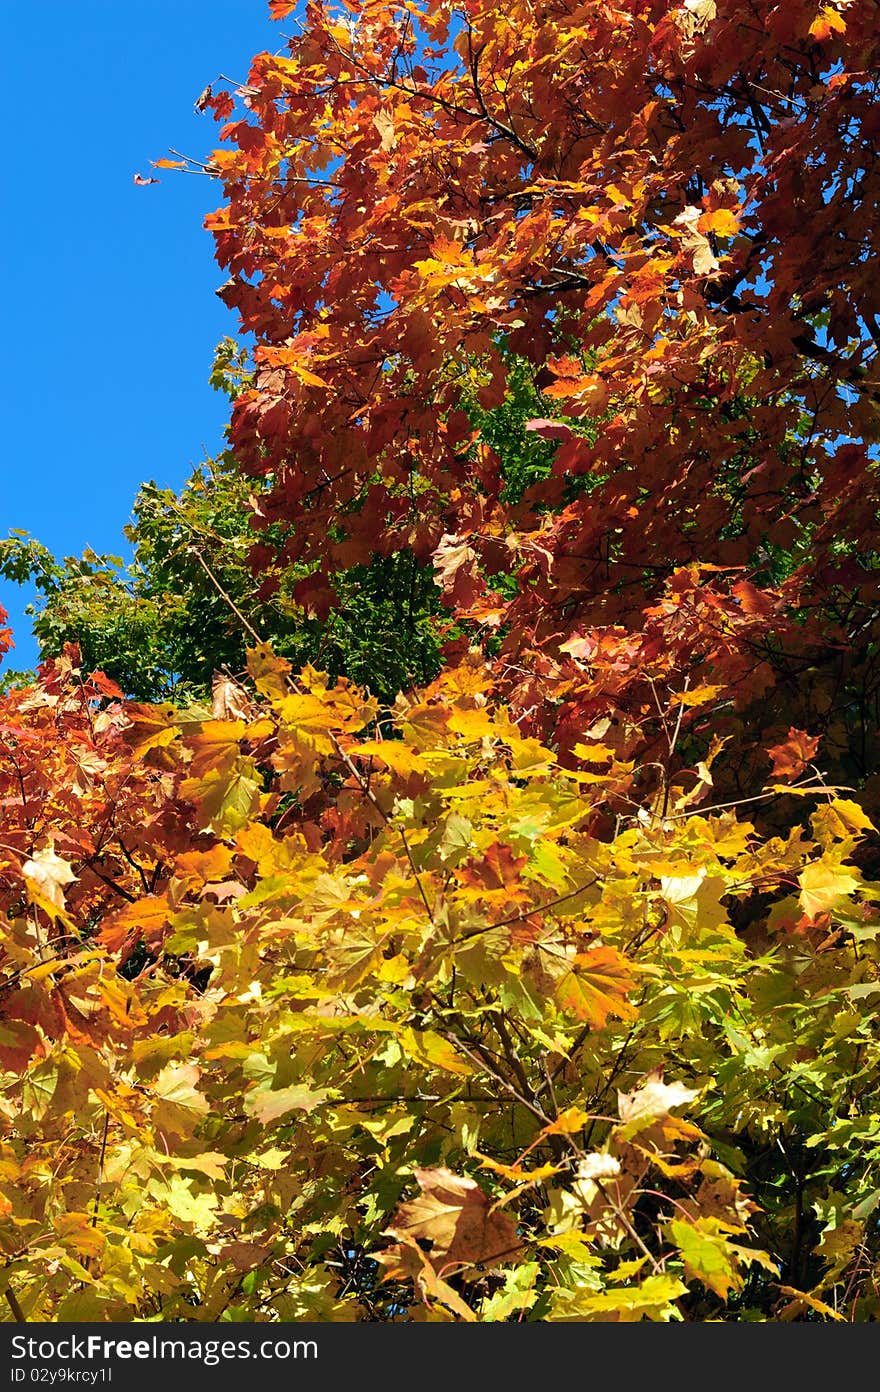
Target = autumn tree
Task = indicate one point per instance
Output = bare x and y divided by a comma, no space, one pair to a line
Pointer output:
670,212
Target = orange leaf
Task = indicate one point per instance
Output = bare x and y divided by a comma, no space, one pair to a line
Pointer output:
596,987
791,758
722,222
827,21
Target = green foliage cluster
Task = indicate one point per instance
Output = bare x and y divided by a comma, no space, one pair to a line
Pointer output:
162,623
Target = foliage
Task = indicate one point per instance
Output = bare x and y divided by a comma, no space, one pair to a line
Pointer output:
272,975
669,212
162,625
548,990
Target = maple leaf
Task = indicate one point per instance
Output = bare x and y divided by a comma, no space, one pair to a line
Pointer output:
696,696
47,874
198,868
792,756
703,11
146,918
271,1106
596,985
142,182
454,1221
384,123
722,221
150,727
653,1098
78,1232
498,870
228,699
394,754
707,1255
824,884
827,22
181,1104
451,555
549,429
800,1301
432,1050
246,1256
839,819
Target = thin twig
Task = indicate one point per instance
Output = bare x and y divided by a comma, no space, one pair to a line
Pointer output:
528,913
100,1179
476,1057
625,1223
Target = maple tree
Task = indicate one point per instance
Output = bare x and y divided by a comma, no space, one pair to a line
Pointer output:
546,989
399,1013
669,211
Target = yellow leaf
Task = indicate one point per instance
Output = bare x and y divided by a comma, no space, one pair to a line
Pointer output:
269,1106
197,1209
722,222
827,21
309,379
473,725
697,696
395,754
175,1086
77,1232
197,868
270,674
274,856
150,728
803,1300
681,889
426,1047
226,800
515,1173
569,1121
216,746
839,819
651,1300
46,969
706,1254
823,884
211,1163
653,1098
593,753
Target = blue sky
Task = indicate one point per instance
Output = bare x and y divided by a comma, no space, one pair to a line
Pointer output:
111,319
